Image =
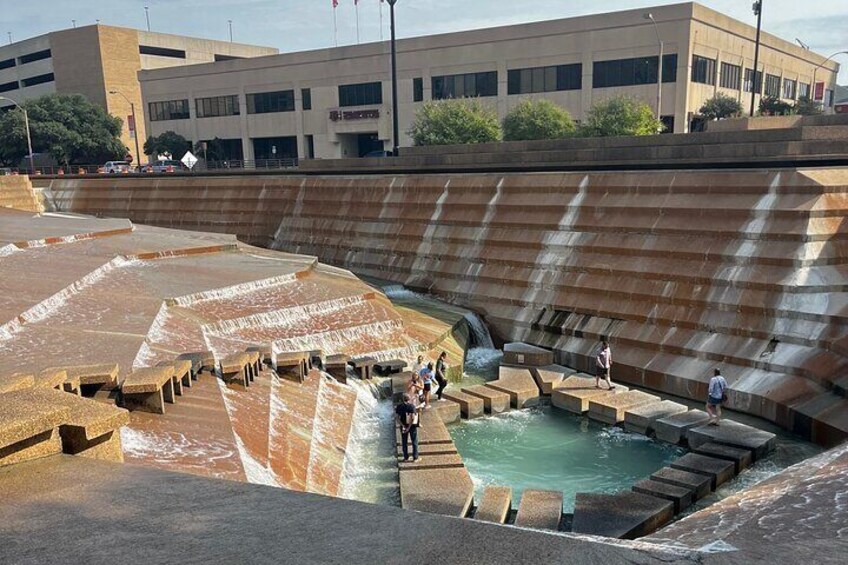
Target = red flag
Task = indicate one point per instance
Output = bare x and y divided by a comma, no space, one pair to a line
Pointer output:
335,3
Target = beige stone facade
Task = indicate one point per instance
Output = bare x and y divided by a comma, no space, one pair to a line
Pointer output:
97,60
577,45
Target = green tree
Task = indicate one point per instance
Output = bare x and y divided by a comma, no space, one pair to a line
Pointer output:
773,106
807,107
620,116
721,106
169,143
541,119
68,127
452,122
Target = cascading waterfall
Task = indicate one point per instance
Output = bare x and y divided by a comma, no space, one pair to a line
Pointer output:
481,359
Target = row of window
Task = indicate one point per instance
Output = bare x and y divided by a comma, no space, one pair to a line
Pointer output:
635,71
704,72
217,106
31,81
24,59
469,85
545,79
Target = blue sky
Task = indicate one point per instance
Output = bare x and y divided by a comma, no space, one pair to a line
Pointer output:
293,25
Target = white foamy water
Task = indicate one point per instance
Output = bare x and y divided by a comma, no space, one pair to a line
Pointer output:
400,291
480,335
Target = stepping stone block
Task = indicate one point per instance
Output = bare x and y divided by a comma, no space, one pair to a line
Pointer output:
428,461
51,378
292,365
640,419
549,377
540,509
719,470
734,434
574,394
673,429
148,389
470,406
495,505
610,409
29,430
742,458
449,492
266,353
255,363
519,384
196,361
15,382
494,401
626,515
364,367
234,368
698,484
106,374
447,410
524,354
682,497
336,367
390,367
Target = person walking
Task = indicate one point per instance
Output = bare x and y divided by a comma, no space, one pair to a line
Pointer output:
408,419
441,376
427,378
716,396
603,365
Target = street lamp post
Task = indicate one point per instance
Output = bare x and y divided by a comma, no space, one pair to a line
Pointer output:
395,124
650,16
135,124
758,11
815,71
28,134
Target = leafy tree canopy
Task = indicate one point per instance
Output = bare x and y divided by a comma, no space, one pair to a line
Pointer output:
620,116
169,143
540,119
721,106
452,122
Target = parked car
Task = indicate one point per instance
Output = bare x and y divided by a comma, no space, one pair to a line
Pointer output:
163,166
116,167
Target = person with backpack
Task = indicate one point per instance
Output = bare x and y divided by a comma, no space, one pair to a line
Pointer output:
408,419
603,364
716,396
441,377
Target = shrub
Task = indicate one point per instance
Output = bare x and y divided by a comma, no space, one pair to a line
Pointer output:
453,122
618,116
541,119
771,106
807,107
721,106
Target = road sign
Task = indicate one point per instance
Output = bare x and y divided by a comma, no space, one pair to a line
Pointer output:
189,160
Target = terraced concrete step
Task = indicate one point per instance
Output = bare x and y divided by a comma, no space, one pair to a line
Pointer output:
526,355
741,458
437,491
494,401
610,409
448,410
540,509
626,515
519,384
430,449
470,406
575,392
734,434
427,461
28,429
550,377
673,428
718,470
640,419
494,505
699,484
682,497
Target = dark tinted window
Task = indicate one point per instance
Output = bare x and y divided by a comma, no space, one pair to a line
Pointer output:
37,56
631,72
749,78
219,57
545,79
9,86
466,85
168,110
703,70
162,52
361,94
40,79
731,76
7,64
418,90
306,95
772,85
217,106
269,102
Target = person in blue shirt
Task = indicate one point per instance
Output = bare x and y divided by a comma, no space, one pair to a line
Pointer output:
428,377
716,396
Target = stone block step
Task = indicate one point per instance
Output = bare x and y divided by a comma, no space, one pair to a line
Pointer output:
526,355
447,410
610,409
549,377
734,434
494,505
51,378
29,430
148,389
575,392
718,470
438,491
673,428
494,401
742,458
626,515
682,497
470,406
640,419
426,461
698,484
519,384
431,449
540,509
94,376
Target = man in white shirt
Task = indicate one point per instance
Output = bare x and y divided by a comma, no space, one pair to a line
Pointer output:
603,364
716,397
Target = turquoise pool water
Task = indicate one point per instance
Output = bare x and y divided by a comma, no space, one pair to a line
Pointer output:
545,448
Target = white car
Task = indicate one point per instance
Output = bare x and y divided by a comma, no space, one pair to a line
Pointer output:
116,167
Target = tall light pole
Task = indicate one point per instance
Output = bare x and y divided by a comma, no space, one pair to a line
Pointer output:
230,23
28,134
823,63
135,124
650,16
395,123
758,11
147,16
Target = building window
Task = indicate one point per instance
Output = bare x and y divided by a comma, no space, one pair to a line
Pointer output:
703,70
828,98
466,85
772,86
217,106
418,90
749,81
40,79
545,79
790,87
219,57
9,86
310,146
270,102
168,110
631,72
266,148
804,91
161,52
7,64
32,57
306,97
731,76
364,94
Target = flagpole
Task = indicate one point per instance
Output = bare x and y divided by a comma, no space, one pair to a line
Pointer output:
357,22
335,28
381,20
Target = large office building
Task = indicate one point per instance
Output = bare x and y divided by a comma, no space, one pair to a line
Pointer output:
97,60
336,102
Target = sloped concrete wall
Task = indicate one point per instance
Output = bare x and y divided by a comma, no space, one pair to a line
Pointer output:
16,192
682,270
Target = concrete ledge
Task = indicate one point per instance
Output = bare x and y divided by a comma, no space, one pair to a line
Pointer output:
540,509
428,461
640,419
626,515
448,411
682,497
741,458
699,484
734,434
519,384
494,401
431,449
471,406
673,429
550,377
719,470
495,505
438,491
526,355
575,393
610,409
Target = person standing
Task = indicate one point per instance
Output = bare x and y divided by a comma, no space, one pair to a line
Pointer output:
408,419
427,378
419,364
441,374
716,396
414,388
603,365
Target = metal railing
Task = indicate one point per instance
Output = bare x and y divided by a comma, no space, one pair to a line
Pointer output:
201,166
